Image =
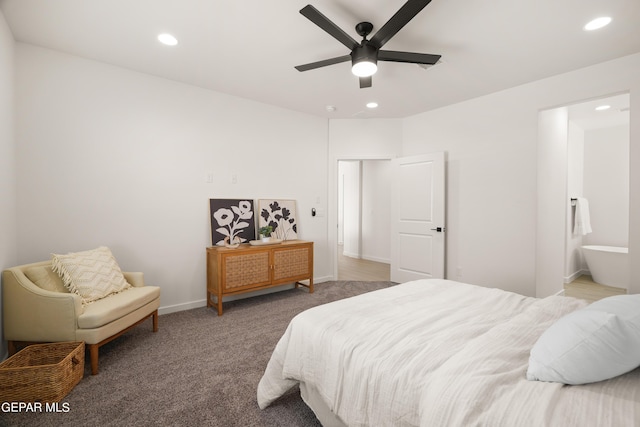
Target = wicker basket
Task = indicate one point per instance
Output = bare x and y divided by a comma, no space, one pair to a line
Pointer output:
42,372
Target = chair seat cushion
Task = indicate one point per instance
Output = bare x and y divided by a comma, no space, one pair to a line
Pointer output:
115,306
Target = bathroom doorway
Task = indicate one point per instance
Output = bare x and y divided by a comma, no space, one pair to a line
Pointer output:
583,152
598,173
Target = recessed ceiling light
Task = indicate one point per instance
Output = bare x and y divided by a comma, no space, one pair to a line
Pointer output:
167,39
603,107
331,108
372,105
597,23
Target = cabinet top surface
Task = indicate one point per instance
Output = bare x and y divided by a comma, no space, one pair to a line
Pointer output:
247,246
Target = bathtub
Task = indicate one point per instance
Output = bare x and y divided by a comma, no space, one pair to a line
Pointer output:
609,265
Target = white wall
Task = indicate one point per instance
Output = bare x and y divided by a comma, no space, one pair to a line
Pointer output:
350,195
634,182
492,173
575,188
113,157
491,187
376,210
364,218
8,241
553,200
606,185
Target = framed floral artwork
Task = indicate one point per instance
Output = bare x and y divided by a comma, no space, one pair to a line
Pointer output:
281,216
232,221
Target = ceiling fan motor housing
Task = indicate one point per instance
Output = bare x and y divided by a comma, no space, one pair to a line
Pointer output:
364,52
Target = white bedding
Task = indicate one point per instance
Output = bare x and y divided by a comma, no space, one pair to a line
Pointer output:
439,353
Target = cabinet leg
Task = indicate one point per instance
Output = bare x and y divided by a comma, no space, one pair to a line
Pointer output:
217,303
309,286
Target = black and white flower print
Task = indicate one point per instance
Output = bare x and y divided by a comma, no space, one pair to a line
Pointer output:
232,221
280,215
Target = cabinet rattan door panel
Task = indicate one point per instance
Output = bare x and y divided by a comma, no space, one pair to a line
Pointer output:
246,270
290,264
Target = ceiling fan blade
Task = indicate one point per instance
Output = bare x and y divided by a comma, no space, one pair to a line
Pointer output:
323,22
324,63
397,21
416,58
365,82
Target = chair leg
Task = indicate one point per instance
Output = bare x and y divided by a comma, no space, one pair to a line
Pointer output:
155,321
93,353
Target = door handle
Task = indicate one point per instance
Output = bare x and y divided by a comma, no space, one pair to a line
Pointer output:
438,229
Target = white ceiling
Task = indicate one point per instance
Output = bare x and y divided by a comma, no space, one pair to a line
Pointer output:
585,114
249,48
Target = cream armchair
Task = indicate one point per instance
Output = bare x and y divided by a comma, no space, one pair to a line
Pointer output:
36,308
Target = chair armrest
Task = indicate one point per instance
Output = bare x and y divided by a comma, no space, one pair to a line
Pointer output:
31,313
134,278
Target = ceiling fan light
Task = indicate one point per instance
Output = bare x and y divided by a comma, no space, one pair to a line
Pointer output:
364,60
364,68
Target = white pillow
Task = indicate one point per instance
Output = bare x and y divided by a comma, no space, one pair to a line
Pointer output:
598,342
92,274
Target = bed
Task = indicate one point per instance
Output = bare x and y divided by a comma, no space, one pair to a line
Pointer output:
438,353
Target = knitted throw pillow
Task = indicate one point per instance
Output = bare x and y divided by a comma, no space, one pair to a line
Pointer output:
92,274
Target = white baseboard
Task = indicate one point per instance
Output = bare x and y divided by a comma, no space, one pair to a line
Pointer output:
559,293
574,276
367,257
182,307
203,302
351,254
376,259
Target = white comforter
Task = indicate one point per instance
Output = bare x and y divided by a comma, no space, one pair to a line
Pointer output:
439,353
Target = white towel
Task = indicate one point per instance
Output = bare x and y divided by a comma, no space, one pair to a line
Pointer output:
582,220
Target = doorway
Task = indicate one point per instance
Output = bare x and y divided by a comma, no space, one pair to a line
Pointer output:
583,152
598,172
363,240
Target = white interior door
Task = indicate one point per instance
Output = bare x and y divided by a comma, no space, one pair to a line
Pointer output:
417,218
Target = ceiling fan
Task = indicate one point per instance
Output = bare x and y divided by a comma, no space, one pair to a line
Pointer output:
365,55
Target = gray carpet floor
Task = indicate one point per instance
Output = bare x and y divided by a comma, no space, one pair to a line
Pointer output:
198,369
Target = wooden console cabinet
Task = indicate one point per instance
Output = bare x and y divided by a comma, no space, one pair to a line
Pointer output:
249,268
